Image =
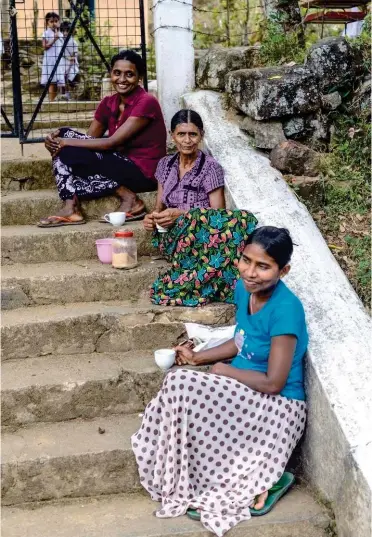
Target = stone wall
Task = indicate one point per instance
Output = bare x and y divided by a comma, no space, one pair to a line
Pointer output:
288,107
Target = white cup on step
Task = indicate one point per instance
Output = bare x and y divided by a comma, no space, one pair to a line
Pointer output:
115,219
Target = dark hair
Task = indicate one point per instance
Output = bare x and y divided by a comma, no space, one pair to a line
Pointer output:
187,116
131,57
51,15
276,242
65,26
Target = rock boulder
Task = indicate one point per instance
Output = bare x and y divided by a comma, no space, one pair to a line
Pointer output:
296,127
273,92
308,188
311,128
331,101
334,62
266,134
295,158
213,66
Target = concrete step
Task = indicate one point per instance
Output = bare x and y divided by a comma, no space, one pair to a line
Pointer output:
27,207
295,515
31,244
51,461
70,459
63,388
83,328
29,174
75,281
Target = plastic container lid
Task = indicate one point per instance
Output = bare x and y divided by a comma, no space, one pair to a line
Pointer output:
125,234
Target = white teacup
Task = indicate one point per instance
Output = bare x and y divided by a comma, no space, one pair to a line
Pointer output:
161,229
116,219
165,358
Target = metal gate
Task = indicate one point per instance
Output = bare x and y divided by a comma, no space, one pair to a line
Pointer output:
98,29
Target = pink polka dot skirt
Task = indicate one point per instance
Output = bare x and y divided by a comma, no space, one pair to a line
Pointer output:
211,443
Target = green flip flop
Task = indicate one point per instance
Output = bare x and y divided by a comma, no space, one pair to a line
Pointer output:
275,493
193,514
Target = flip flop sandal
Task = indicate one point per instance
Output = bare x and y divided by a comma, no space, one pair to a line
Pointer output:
58,221
275,493
140,216
193,514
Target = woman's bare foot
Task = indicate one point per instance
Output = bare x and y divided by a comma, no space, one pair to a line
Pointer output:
130,203
260,501
70,208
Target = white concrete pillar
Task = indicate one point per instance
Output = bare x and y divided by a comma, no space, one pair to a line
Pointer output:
174,50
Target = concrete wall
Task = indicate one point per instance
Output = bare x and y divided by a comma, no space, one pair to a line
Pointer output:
337,454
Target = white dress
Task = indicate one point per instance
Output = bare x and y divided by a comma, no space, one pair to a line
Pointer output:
50,58
71,51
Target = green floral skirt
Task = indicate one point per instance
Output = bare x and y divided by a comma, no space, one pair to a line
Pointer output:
204,247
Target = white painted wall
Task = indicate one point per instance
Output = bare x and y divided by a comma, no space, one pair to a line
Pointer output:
174,49
337,454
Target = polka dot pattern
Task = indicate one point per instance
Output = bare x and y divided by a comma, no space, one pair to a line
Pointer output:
211,443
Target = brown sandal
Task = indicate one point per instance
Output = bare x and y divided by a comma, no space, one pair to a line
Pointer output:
58,221
139,216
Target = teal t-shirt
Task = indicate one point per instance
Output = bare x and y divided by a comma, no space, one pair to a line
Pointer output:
283,314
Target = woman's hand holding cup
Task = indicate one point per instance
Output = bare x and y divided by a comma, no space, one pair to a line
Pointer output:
185,356
149,222
167,218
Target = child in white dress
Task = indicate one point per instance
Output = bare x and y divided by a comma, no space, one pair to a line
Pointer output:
71,64
52,44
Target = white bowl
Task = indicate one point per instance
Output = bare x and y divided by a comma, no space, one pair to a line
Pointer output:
165,358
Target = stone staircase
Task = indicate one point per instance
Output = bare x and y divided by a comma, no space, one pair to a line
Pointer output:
77,370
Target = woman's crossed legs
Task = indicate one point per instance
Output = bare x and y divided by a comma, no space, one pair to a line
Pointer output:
84,174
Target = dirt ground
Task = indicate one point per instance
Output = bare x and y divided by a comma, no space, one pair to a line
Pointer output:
11,149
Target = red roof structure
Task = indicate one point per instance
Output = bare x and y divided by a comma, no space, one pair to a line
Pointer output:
325,13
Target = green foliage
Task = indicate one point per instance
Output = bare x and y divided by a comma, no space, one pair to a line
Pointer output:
229,22
346,171
361,253
151,61
279,46
346,168
362,44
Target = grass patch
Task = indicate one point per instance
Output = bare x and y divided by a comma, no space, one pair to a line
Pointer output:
360,250
344,219
279,47
347,168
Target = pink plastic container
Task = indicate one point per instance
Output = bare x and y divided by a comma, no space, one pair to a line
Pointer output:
104,250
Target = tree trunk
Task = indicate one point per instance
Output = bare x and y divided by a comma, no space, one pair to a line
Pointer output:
288,13
246,24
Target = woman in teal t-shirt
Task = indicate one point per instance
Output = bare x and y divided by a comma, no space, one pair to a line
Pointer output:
218,442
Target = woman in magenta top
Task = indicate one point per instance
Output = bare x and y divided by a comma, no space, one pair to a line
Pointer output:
124,163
